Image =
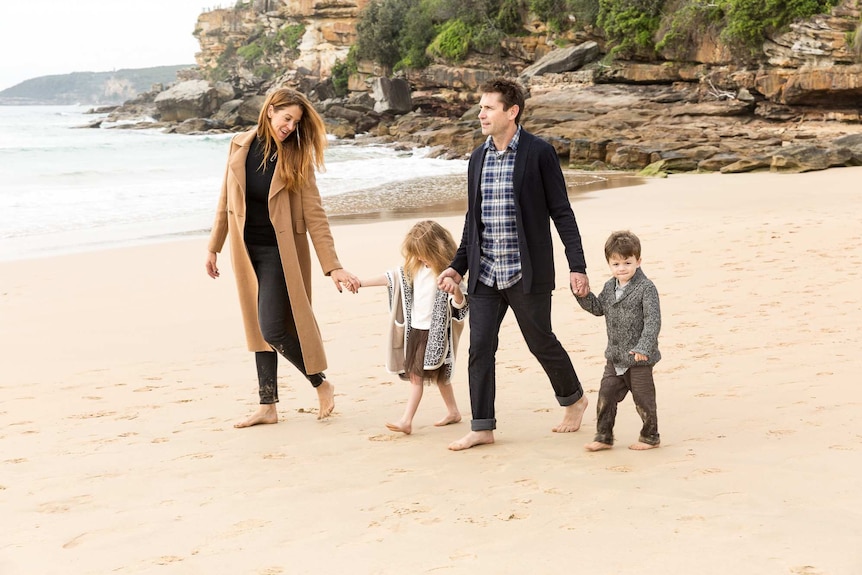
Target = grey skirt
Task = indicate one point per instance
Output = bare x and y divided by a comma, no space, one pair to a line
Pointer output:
414,356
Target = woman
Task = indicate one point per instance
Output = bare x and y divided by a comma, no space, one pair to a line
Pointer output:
269,204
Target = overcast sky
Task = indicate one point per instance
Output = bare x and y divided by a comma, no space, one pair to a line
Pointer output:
42,37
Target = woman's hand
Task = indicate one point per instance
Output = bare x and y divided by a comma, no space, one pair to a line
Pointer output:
342,277
212,267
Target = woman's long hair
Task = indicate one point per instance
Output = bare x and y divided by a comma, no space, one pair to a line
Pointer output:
428,242
302,151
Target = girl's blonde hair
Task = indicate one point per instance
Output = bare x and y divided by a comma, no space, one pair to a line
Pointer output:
427,242
302,151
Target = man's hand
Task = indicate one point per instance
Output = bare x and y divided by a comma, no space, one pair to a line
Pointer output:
449,286
580,284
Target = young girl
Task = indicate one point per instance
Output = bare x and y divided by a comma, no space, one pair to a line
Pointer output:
425,322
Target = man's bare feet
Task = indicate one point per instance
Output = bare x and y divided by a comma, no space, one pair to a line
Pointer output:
473,439
266,413
450,418
405,428
326,397
597,446
641,446
572,417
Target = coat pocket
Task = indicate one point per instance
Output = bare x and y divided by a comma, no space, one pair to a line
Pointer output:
299,227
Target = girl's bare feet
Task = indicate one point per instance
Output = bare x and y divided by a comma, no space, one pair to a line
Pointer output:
405,428
265,414
326,397
597,446
641,446
473,439
572,417
450,418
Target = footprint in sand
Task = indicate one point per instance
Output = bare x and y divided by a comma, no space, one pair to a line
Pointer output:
381,437
620,468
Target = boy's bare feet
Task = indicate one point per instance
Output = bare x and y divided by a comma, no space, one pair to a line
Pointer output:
572,417
450,418
266,413
641,446
405,428
473,439
326,397
597,446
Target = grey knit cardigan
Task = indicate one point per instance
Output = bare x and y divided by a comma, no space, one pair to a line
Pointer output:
633,322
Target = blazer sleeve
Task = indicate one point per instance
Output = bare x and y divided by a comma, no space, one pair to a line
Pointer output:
560,208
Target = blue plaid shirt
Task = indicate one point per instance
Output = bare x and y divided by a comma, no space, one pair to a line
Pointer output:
500,262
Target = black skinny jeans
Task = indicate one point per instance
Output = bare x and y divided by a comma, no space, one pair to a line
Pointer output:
488,306
277,326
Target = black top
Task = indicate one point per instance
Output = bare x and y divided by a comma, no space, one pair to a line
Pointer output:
258,226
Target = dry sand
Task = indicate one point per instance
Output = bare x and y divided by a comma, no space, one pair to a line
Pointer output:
123,372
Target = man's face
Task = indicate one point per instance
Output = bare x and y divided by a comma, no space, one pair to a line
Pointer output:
494,119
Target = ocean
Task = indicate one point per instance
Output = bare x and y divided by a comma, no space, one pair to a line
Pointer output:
64,188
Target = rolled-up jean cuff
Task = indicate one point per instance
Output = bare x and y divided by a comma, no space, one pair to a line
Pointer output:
570,400
483,424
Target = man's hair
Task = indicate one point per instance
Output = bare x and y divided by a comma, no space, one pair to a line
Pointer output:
511,94
624,244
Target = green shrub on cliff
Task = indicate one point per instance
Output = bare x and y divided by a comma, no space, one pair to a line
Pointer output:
630,26
749,21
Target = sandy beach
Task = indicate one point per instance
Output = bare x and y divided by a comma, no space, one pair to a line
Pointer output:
123,372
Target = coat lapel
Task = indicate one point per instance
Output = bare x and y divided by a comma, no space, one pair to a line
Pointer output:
237,161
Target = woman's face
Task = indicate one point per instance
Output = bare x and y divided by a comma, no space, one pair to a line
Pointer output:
284,120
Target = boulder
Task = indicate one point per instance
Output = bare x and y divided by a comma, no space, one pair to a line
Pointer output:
186,100
391,96
562,60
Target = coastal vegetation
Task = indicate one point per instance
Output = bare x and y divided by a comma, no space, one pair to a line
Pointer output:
448,30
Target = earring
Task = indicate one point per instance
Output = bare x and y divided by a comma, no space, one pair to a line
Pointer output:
298,141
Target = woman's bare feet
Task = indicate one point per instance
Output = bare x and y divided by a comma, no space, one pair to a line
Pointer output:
450,418
326,397
266,413
572,417
641,446
597,446
405,428
473,439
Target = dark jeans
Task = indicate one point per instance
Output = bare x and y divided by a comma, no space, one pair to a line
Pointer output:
638,379
488,306
276,323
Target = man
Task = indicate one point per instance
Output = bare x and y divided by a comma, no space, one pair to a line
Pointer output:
515,188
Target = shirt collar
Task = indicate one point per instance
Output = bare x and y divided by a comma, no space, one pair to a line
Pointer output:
513,144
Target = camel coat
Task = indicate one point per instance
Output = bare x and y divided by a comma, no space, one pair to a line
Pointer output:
295,215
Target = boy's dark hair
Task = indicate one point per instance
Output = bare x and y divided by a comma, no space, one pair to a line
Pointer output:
624,244
511,94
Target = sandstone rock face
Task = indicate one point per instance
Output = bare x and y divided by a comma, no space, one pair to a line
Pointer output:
563,60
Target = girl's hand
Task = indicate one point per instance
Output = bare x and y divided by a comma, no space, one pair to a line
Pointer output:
448,280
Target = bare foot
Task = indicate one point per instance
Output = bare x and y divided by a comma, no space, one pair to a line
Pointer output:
597,446
572,417
641,446
450,418
266,413
326,397
404,428
473,439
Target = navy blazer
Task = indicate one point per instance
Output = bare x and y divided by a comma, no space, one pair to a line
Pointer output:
540,196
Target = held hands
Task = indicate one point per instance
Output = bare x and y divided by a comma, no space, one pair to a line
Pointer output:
342,277
579,283
212,268
449,281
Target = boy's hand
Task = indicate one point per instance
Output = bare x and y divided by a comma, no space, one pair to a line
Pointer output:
639,356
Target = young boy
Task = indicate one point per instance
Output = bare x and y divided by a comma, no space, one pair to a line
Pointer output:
629,302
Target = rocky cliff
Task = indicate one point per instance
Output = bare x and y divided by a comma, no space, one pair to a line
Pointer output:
793,108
